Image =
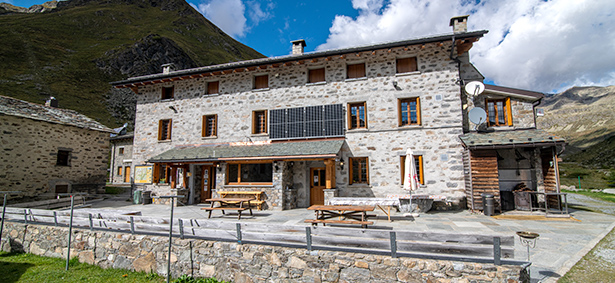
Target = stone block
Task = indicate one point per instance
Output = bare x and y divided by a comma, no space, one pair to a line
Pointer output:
145,263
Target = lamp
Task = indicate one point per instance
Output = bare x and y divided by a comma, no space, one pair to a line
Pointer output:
341,162
275,164
219,167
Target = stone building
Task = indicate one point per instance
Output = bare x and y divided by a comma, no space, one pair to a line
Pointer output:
309,126
47,150
121,157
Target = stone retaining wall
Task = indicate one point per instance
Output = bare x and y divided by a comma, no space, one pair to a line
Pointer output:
244,263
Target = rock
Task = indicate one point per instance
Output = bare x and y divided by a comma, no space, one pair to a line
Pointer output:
296,262
146,263
87,257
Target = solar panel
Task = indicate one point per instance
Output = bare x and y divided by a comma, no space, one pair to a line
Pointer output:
307,122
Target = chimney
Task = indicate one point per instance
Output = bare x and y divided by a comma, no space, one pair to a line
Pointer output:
52,102
167,68
459,24
298,46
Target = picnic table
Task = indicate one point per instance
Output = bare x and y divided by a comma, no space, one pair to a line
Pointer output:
236,204
345,214
383,204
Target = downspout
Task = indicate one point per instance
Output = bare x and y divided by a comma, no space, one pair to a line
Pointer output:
536,103
112,163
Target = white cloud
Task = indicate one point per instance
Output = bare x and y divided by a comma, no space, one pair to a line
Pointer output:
532,44
256,12
228,15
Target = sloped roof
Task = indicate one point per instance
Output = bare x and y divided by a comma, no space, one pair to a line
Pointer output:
247,151
19,108
513,138
509,91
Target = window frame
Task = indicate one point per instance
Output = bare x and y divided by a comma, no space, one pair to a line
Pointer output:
506,108
258,126
165,136
239,182
161,169
350,106
314,78
409,66
208,87
400,111
350,74
421,170
259,79
168,92
351,170
63,157
206,127
119,170
120,151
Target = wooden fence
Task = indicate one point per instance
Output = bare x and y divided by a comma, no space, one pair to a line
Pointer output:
453,246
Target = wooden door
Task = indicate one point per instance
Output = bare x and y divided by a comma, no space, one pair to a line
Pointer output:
317,185
207,184
127,174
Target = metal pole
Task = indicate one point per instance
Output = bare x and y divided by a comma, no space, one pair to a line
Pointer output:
3,213
70,229
579,182
170,243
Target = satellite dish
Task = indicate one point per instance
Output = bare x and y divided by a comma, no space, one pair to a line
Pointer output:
477,115
474,88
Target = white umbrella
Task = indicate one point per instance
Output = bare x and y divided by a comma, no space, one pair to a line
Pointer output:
411,179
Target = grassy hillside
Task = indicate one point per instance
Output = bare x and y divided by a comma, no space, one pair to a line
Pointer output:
72,52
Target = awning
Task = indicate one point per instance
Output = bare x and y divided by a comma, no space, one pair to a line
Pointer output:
510,139
251,151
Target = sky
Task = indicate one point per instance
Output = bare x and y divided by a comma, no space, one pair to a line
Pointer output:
539,45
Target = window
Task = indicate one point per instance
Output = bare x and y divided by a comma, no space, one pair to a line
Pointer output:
210,125
354,71
409,111
121,151
499,112
63,158
418,164
406,65
119,170
167,93
212,87
161,173
261,82
359,172
316,75
259,122
164,130
356,116
249,173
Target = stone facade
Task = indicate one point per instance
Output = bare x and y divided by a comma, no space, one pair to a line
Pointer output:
120,169
245,263
29,159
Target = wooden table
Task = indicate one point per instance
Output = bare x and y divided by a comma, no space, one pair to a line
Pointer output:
236,204
346,214
380,203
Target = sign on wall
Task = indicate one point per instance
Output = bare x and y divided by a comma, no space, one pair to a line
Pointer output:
143,174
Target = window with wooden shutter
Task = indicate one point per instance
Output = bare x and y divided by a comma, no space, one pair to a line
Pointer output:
499,112
259,122
418,164
359,170
409,110
261,82
164,130
212,87
210,126
354,71
316,75
357,116
167,93
406,65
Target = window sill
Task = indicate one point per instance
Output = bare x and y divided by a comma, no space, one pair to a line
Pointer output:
259,135
168,99
164,141
235,185
356,79
260,89
358,130
211,94
411,126
316,83
407,74
209,138
359,185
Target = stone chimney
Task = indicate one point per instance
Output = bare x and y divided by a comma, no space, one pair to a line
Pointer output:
298,46
459,24
167,68
52,102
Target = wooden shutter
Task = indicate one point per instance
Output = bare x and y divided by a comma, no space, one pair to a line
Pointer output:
406,65
317,75
261,82
356,71
509,121
212,87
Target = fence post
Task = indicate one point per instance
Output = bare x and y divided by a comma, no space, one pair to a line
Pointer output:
132,225
393,244
497,251
239,233
181,228
91,222
55,219
25,216
308,237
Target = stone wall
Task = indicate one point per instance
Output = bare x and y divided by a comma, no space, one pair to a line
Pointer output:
435,84
244,263
28,162
120,160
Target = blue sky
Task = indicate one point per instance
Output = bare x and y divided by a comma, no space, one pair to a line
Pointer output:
540,45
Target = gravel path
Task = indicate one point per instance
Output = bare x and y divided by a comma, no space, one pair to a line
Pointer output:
596,204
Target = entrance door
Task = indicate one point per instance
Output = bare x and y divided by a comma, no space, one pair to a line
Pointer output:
317,185
207,184
127,174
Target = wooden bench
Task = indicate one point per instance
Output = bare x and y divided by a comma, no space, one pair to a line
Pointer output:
316,221
255,195
238,209
235,204
345,214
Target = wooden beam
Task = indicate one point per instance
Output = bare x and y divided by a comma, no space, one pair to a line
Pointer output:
328,58
342,56
314,60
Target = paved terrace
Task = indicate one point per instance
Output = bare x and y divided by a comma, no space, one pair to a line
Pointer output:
561,244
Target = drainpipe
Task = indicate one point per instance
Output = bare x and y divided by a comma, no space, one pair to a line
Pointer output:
536,103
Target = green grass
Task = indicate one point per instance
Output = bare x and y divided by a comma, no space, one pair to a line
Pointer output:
114,190
591,178
595,265
597,195
33,268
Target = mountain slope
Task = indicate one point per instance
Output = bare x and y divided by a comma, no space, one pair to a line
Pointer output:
73,51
